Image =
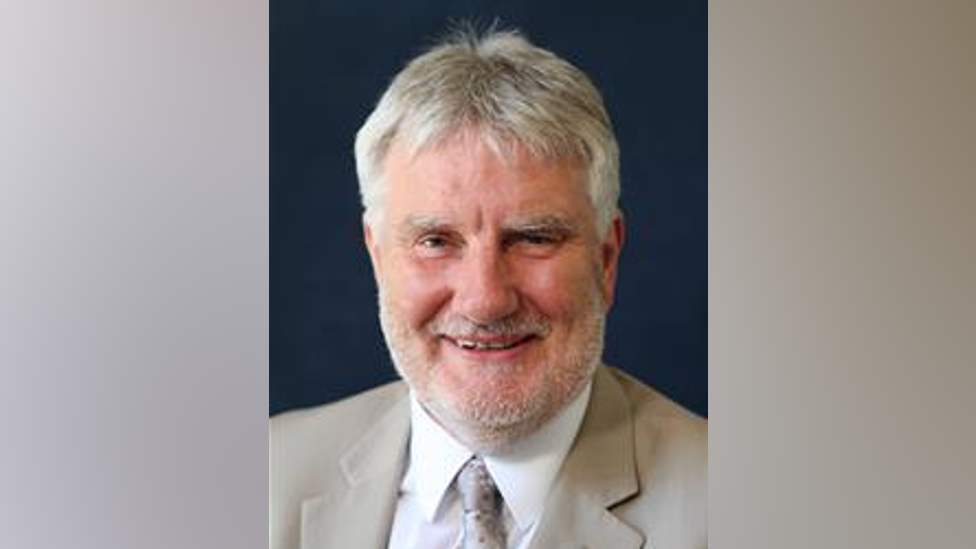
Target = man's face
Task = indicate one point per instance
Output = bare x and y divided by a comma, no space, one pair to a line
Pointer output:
494,285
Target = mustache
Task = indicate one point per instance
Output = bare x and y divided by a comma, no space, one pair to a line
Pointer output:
456,326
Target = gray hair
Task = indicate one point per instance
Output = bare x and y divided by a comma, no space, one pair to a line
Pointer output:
511,93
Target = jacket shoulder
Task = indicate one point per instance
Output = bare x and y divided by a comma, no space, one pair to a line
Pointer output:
650,405
306,449
335,421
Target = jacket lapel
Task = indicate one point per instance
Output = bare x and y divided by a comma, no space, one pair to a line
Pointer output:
358,510
599,473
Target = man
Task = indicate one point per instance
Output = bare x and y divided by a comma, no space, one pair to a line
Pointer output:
489,178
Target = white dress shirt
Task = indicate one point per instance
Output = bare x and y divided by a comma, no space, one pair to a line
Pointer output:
428,513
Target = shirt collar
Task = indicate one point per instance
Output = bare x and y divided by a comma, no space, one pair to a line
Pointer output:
524,472
435,457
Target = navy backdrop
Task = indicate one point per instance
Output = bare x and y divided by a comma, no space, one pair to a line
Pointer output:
329,63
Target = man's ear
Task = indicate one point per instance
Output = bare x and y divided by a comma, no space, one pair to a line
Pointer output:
610,257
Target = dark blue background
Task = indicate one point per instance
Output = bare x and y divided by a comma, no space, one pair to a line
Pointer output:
329,63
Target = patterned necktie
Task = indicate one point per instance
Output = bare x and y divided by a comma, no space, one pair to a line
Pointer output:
482,504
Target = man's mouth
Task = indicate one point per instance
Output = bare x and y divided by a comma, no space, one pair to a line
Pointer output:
491,344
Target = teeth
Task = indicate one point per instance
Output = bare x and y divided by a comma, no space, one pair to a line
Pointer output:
474,345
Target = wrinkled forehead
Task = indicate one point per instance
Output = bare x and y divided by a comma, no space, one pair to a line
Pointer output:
465,177
476,155
476,149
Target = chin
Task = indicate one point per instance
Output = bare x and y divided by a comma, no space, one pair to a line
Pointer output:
486,430
492,418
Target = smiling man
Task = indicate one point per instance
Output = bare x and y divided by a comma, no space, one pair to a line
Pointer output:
489,177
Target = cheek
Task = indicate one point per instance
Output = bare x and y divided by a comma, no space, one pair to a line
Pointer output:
418,294
559,290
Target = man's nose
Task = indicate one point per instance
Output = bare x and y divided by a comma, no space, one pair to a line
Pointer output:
484,291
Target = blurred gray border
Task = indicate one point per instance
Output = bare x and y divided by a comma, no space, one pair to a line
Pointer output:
133,274
134,264
842,265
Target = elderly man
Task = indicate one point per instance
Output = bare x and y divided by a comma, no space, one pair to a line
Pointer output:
489,178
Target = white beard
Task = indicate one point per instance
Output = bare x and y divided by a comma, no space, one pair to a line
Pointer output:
484,420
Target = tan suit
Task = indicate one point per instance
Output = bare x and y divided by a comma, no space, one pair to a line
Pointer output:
636,476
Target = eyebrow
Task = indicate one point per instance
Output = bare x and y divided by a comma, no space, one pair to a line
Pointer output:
544,223
414,225
420,223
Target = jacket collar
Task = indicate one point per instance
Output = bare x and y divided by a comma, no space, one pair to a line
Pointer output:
599,473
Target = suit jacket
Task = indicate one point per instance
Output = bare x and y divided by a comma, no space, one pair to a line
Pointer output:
635,477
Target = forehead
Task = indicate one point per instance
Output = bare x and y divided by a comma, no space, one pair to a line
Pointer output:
465,172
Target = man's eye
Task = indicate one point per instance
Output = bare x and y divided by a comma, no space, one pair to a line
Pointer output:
544,238
432,241
434,245
537,243
539,239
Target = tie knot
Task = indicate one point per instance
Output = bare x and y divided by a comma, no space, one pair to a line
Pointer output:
477,489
